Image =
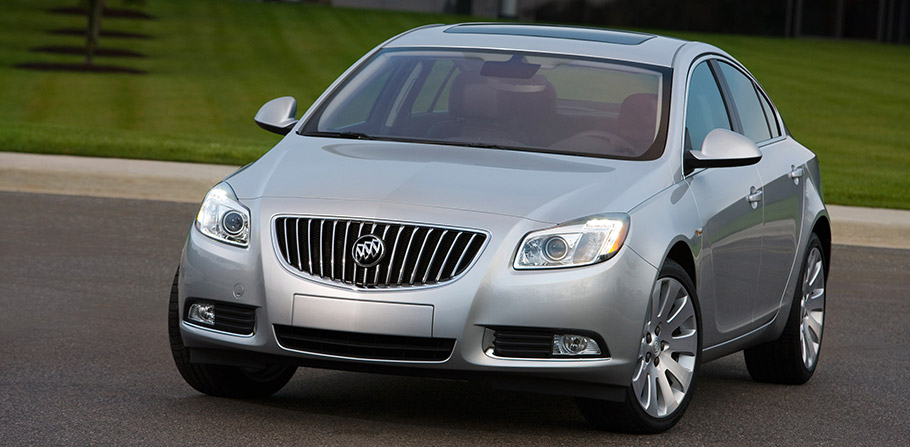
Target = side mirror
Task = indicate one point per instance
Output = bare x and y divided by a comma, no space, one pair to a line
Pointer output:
722,149
278,115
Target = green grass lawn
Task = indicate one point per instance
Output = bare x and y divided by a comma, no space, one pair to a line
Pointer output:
212,63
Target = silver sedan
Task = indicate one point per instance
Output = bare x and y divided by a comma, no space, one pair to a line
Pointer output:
563,210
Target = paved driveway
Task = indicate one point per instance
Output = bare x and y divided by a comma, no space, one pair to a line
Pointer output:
84,359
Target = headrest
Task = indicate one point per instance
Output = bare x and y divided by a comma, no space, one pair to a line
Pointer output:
638,119
472,97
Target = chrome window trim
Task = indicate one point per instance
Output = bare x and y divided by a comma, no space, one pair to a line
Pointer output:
771,141
339,285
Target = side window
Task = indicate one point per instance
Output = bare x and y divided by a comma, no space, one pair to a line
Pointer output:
705,110
769,114
745,98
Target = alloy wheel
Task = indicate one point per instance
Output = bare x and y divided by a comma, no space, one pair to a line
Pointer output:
812,308
669,346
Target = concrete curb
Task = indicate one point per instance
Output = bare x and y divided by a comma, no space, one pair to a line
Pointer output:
109,177
188,182
870,227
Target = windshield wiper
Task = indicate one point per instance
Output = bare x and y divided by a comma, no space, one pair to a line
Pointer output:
349,135
363,136
484,145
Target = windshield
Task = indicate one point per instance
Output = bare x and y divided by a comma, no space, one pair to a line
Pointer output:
499,99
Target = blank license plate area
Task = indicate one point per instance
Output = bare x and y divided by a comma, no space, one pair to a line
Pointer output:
336,314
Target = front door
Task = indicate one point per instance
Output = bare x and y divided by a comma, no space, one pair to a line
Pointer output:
731,224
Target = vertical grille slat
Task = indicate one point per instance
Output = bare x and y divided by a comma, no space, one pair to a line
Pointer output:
287,250
419,254
415,255
388,276
449,253
297,238
309,245
433,256
321,248
467,248
404,261
344,251
334,225
384,233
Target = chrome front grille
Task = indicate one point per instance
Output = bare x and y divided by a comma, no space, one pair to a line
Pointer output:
415,255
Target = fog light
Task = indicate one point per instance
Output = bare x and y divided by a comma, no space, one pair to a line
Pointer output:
202,313
572,344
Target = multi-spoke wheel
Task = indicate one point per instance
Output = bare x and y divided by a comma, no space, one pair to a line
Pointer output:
664,377
812,308
666,361
792,358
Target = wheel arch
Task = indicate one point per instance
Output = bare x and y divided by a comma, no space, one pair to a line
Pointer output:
681,253
822,229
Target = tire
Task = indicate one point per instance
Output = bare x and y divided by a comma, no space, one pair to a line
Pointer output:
219,380
793,357
663,364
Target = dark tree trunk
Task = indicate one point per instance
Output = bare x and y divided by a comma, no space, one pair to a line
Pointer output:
95,10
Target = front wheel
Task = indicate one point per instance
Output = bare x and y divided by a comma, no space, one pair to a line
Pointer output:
220,380
664,378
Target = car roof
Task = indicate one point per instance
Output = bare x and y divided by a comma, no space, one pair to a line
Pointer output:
575,40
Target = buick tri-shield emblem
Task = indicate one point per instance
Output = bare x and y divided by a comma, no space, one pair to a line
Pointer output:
368,250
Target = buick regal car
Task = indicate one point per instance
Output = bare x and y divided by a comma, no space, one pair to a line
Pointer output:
564,210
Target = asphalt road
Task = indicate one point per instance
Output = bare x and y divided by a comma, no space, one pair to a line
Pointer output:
84,359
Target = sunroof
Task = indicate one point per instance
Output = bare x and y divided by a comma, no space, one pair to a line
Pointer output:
559,32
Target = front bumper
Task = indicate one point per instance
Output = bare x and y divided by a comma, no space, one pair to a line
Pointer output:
607,299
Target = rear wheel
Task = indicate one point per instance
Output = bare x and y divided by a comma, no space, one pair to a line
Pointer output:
220,380
792,358
664,378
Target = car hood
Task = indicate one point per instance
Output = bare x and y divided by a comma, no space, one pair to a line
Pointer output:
544,187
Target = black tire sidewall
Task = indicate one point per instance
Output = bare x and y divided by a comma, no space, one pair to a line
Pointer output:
219,380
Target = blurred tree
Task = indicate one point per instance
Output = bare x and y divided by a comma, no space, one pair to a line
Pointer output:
95,11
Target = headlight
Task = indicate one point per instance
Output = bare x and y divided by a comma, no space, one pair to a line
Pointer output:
223,218
580,242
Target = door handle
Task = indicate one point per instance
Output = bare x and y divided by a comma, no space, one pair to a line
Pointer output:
796,173
754,197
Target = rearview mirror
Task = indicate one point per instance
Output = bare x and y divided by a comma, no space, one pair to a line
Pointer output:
278,115
722,149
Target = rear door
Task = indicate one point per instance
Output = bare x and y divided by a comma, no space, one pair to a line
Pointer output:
782,186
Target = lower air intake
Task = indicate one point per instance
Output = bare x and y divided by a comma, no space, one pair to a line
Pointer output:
518,343
364,346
